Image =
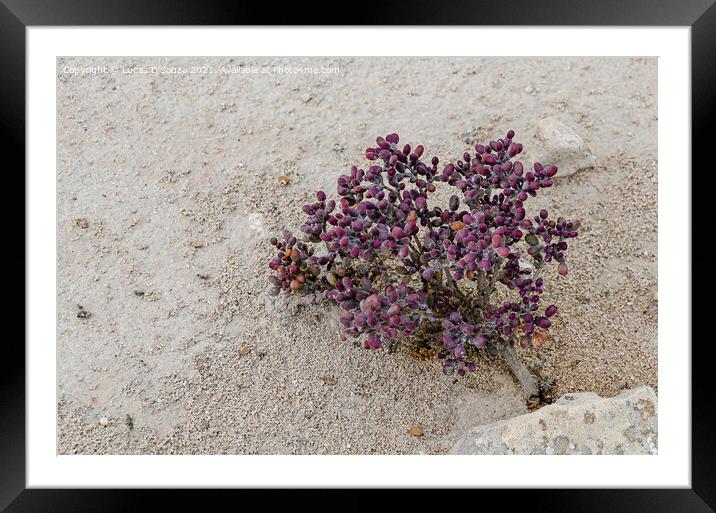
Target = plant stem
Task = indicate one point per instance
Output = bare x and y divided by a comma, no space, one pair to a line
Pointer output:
452,285
523,375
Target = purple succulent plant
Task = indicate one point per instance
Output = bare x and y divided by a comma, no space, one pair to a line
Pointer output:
400,266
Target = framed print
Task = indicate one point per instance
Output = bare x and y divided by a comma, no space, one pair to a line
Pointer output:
433,255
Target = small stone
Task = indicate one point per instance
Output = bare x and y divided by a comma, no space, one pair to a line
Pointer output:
549,450
529,89
103,421
197,245
139,293
563,148
284,180
82,223
245,350
329,381
129,422
416,431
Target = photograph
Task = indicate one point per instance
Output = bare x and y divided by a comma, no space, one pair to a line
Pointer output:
357,255
264,250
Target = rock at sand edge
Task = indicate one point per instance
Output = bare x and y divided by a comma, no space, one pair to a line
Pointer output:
580,423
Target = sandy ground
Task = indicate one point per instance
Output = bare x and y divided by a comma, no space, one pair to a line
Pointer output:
174,181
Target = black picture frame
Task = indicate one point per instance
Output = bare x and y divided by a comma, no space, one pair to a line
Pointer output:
17,15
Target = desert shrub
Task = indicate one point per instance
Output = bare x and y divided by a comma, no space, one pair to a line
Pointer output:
400,266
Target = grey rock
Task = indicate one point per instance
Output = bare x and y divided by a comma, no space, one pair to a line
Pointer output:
563,148
580,423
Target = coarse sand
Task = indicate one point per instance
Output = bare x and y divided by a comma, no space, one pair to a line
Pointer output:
168,191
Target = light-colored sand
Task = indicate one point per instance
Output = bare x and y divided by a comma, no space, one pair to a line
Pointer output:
176,177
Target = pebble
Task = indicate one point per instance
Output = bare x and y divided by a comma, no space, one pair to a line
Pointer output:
416,431
562,146
103,421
